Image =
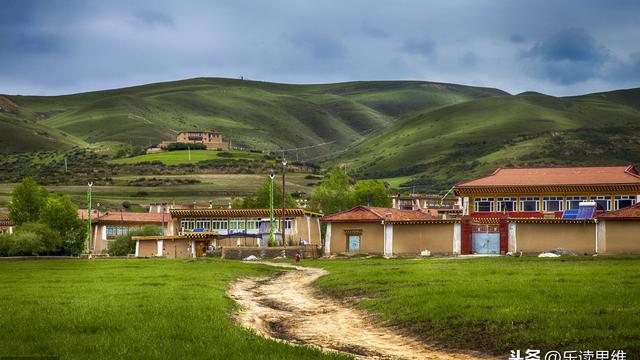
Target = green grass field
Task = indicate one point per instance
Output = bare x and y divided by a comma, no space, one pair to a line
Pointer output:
220,188
182,157
134,309
498,304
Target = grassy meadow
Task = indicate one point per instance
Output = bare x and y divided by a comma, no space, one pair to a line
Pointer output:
220,188
498,304
134,309
182,157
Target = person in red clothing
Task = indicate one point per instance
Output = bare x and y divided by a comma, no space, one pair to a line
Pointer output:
298,257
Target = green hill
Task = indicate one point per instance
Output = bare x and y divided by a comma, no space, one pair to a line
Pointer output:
260,115
435,149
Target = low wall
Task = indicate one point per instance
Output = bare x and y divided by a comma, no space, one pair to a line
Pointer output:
412,239
534,238
241,253
622,237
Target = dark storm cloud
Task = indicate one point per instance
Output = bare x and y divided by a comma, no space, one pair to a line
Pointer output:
568,57
568,47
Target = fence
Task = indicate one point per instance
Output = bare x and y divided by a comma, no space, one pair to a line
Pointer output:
240,253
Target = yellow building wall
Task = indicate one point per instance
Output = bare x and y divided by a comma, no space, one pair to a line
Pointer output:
147,248
540,237
412,239
371,239
176,249
306,228
622,237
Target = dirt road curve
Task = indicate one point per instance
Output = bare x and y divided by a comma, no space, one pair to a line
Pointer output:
284,307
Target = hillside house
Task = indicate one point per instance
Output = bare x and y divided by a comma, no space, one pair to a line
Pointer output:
193,232
212,140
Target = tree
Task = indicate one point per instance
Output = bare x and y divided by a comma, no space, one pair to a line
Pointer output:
123,245
372,193
334,193
27,202
262,197
61,215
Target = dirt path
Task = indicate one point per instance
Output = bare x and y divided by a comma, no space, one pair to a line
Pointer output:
285,307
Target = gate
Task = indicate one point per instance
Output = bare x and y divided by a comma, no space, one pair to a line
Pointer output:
485,239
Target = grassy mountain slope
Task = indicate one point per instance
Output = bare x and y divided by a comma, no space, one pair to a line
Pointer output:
440,147
253,114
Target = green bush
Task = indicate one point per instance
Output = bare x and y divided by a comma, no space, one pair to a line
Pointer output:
49,238
26,243
6,243
185,146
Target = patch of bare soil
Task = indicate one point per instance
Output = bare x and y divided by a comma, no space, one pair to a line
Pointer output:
284,307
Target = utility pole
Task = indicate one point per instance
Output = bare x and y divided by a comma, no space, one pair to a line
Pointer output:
89,220
271,224
284,164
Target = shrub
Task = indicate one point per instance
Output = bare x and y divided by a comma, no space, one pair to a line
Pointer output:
50,239
26,243
6,243
185,146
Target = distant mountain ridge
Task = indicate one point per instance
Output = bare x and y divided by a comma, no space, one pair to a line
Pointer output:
254,114
424,135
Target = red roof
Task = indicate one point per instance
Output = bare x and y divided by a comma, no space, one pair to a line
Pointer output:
376,214
629,213
131,217
127,217
596,175
82,214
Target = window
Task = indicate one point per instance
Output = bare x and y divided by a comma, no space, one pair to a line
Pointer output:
204,224
115,231
253,224
623,201
287,223
188,224
219,224
405,204
506,204
573,202
236,224
603,201
530,203
552,203
483,204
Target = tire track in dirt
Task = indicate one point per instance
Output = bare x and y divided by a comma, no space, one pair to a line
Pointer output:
284,307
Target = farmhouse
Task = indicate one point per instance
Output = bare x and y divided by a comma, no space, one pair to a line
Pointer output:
536,209
388,231
212,140
587,210
193,232
534,192
107,226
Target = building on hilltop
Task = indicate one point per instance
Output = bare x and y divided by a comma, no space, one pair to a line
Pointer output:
212,140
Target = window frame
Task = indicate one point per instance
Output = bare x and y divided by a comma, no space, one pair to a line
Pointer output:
559,200
478,200
617,198
505,200
535,199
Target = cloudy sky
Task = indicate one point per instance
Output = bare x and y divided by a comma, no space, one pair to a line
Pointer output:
555,47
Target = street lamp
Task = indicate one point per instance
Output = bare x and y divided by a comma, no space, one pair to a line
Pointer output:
271,225
89,211
284,164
